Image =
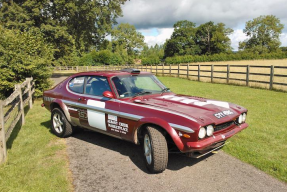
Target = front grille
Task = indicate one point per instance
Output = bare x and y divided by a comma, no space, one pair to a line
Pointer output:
223,126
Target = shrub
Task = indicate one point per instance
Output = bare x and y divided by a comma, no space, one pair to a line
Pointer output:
24,54
223,57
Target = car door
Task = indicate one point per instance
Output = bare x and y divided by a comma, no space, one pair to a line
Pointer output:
98,112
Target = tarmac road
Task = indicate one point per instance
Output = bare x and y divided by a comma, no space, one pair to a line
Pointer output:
103,163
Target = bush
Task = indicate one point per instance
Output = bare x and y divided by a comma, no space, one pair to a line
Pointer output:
24,54
222,57
86,60
102,57
151,60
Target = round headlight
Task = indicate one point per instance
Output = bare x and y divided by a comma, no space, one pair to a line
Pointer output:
202,133
244,117
240,118
209,130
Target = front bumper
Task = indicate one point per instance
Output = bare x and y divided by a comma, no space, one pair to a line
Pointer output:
210,142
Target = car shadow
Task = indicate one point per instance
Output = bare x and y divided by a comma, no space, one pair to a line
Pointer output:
134,152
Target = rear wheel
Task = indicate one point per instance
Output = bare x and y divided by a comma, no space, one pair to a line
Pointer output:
60,125
155,150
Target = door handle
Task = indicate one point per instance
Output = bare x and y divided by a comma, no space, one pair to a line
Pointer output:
82,99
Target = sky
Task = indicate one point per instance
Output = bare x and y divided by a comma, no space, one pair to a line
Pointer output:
155,18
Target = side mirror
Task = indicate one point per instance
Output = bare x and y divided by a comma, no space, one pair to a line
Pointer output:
108,94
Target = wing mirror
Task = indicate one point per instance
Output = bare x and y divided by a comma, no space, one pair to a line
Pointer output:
108,94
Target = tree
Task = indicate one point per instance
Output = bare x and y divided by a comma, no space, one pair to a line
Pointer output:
263,33
69,25
213,38
24,54
125,35
183,40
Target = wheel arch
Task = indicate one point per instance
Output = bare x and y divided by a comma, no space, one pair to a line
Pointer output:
166,129
59,104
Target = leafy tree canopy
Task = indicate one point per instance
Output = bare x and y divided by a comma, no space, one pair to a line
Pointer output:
263,33
126,35
208,38
183,40
64,23
24,54
213,38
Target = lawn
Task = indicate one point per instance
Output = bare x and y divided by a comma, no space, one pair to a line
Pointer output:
264,143
37,159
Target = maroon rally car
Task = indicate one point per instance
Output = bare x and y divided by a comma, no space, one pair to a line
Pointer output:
137,107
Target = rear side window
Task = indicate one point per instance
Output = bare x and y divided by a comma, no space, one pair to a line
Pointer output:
97,85
77,84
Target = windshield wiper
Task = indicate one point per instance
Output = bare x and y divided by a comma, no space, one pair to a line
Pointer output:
142,93
164,90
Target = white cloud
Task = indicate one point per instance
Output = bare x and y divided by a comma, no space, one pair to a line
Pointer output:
155,18
236,37
283,39
146,14
159,38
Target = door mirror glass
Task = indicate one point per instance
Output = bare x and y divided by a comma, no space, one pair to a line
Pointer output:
108,94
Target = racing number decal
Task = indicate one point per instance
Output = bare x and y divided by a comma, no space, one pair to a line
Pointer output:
97,119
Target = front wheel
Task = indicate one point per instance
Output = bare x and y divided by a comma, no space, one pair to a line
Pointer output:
155,150
60,125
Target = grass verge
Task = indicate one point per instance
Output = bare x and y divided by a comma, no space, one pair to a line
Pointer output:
263,144
37,159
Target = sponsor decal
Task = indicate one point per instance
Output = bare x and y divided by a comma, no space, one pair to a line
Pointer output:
223,114
194,101
50,99
116,126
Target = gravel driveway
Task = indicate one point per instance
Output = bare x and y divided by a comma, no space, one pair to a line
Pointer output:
102,163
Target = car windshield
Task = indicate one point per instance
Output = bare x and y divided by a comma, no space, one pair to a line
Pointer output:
135,85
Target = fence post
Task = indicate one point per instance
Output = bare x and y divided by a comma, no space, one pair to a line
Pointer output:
211,73
169,69
271,76
227,73
178,70
18,88
156,69
77,68
198,74
30,91
3,150
187,71
162,69
247,74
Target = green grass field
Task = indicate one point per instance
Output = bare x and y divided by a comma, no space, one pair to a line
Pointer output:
37,159
263,144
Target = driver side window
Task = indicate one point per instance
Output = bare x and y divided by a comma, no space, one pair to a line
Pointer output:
97,85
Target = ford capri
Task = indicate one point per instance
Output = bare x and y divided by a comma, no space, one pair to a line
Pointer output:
135,106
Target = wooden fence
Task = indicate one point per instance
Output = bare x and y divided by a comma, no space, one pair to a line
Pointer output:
12,110
250,75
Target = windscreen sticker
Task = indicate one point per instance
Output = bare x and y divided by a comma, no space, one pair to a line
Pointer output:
79,81
223,114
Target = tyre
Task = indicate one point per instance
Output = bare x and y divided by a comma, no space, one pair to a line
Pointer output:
60,125
155,150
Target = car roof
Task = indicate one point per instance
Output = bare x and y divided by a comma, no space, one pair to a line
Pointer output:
109,73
